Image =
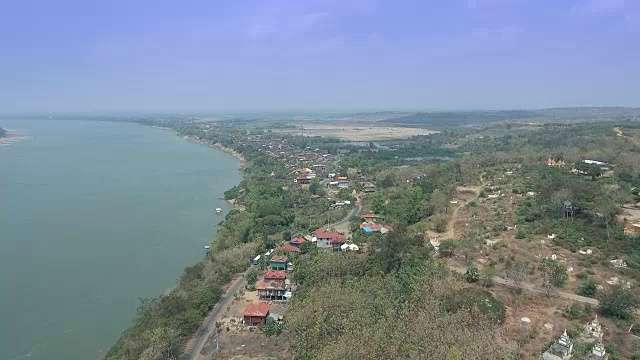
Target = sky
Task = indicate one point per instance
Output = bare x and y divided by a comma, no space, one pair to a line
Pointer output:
191,56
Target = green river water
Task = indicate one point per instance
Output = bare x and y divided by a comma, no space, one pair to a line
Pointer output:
93,216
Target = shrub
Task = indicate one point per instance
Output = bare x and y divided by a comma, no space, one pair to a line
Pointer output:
588,289
582,275
486,303
447,248
472,275
618,303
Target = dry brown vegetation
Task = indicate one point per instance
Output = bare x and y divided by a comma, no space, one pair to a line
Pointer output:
392,317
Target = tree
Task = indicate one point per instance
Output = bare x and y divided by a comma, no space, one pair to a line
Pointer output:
592,170
516,272
439,200
163,345
468,249
440,223
388,181
486,278
554,274
606,208
618,303
588,289
472,275
252,276
447,248
315,188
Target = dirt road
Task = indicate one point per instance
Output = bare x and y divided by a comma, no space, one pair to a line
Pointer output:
194,348
533,288
454,215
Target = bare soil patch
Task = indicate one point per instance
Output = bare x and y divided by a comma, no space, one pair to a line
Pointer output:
240,342
354,132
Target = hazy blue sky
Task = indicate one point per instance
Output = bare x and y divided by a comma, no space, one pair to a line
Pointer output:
156,55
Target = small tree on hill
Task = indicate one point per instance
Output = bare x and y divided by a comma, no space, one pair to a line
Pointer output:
252,276
516,272
618,303
588,289
554,274
446,248
472,275
488,273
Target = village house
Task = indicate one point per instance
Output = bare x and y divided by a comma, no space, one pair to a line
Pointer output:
302,181
343,182
271,290
297,241
255,314
328,239
373,227
279,262
270,275
370,217
368,187
289,248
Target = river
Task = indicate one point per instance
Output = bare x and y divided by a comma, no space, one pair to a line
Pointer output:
93,216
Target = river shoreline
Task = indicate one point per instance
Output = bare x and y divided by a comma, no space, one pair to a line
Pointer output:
218,146
12,136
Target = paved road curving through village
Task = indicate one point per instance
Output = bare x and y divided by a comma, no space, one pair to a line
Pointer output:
196,348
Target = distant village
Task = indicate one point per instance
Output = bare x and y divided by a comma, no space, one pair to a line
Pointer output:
307,166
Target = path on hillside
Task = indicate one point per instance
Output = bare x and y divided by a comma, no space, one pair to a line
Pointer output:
619,133
532,288
496,279
193,349
449,234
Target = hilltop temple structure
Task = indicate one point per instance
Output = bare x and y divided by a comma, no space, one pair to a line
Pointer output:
562,349
594,329
598,352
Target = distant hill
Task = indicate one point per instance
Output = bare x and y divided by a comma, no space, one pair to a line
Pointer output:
448,118
581,114
590,112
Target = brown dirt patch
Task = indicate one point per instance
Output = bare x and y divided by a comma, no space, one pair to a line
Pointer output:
359,132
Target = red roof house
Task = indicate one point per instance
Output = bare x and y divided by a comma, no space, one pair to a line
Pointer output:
275,275
370,217
288,248
327,239
271,290
255,314
297,241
